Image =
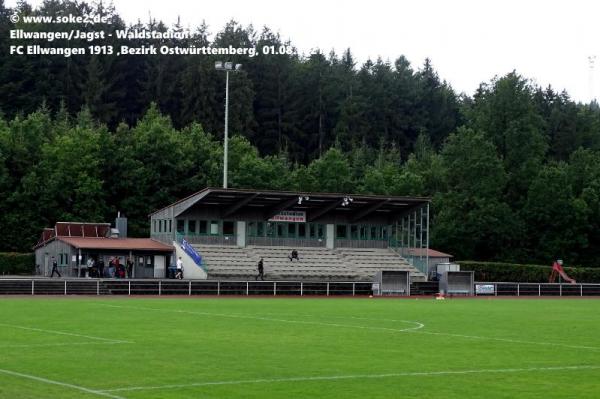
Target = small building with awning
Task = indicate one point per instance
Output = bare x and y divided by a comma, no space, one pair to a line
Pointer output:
73,243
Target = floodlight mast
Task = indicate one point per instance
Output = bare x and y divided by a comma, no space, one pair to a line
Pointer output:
227,67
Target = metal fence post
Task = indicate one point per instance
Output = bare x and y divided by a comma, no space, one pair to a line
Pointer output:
218,288
580,289
190,288
301,288
65,287
159,287
560,285
539,290
97,287
129,287
353,288
518,289
274,288
495,289
328,288
247,290
32,287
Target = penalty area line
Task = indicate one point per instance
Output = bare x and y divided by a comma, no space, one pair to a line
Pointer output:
107,340
60,384
354,377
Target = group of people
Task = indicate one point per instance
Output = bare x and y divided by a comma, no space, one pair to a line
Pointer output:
261,264
98,268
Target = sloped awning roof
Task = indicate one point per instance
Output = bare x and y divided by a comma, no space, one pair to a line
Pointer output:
125,244
432,253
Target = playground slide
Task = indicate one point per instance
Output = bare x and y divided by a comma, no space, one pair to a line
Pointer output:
566,277
558,269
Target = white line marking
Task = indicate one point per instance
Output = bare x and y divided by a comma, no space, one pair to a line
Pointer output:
356,376
417,329
58,344
61,384
235,316
114,341
512,341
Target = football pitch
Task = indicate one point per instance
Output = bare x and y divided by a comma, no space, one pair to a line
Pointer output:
298,348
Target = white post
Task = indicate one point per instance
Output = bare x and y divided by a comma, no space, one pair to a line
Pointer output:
274,288
580,289
247,291
539,290
65,287
97,287
518,289
328,288
218,288
129,287
32,287
226,138
190,288
159,287
301,289
353,288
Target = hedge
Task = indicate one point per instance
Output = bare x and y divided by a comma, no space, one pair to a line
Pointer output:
513,272
17,263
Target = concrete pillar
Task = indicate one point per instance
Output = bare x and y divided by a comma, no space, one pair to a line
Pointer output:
241,233
330,236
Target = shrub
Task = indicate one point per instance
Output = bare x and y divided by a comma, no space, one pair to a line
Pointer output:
17,263
513,272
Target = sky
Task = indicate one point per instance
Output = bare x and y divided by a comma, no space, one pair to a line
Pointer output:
468,41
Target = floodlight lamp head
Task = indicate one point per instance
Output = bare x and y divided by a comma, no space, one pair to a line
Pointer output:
238,67
229,66
218,64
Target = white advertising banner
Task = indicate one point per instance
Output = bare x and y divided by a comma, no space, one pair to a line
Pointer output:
290,216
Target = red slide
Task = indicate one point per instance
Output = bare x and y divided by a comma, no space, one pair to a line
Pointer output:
557,269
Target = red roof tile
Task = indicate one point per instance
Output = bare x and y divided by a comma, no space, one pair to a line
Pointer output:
432,253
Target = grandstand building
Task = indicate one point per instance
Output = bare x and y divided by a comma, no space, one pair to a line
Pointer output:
337,236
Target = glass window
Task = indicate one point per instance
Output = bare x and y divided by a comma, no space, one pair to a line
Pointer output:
301,230
214,227
170,225
260,229
280,231
203,227
270,229
341,231
160,226
373,232
313,231
191,227
384,232
251,229
180,226
291,230
320,231
228,228
354,232
364,232
154,226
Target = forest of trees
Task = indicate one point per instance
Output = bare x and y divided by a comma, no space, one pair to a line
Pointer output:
513,169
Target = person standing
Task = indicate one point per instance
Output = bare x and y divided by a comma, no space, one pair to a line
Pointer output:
129,267
55,268
179,274
101,268
261,270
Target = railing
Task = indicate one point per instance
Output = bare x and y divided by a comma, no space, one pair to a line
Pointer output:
535,289
285,242
192,253
356,243
208,239
419,262
181,287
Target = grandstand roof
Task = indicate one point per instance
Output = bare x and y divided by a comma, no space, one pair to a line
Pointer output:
315,204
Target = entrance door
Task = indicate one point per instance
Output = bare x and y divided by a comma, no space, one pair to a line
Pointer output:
159,266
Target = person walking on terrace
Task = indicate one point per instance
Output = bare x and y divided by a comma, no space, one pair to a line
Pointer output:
55,268
261,270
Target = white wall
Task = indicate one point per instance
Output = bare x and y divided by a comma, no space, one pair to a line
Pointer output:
190,269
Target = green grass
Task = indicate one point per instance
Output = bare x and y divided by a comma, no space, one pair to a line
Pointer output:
289,348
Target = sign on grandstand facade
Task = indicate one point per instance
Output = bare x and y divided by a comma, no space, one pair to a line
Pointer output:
289,216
